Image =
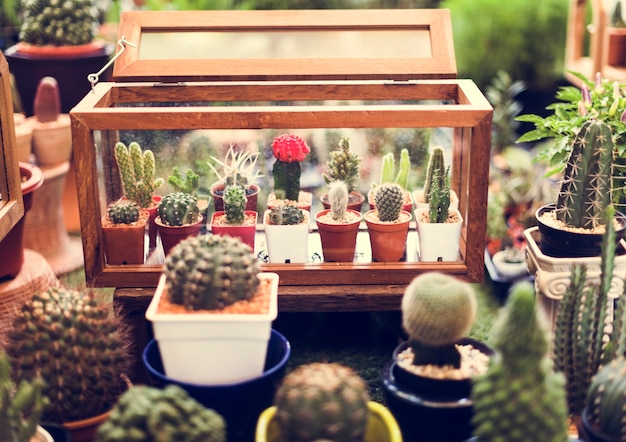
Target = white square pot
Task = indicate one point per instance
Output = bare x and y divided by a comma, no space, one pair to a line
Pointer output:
287,244
213,349
438,241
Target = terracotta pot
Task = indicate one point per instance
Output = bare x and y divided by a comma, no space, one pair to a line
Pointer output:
12,246
338,240
23,137
252,194
247,233
125,243
85,430
172,235
355,201
388,240
52,141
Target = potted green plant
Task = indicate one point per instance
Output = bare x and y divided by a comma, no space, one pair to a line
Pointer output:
399,176
388,224
436,162
287,234
289,151
81,353
439,226
343,165
147,413
338,225
325,401
235,220
123,230
212,311
178,217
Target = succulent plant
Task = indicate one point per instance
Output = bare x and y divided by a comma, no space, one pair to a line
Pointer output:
388,199
207,273
178,209
388,173
322,401
606,399
137,168
21,406
289,150
74,344
437,311
286,215
145,414
338,199
59,23
586,188
234,204
47,103
434,171
343,165
238,167
123,211
439,205
188,184
520,398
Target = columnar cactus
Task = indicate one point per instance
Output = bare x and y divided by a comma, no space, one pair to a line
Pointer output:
137,169
235,204
343,165
435,171
73,343
322,401
338,199
389,198
178,209
47,103
388,173
123,212
208,273
586,186
437,311
439,205
289,150
286,215
146,414
606,400
21,406
520,398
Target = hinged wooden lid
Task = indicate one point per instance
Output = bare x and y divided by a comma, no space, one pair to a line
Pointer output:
361,44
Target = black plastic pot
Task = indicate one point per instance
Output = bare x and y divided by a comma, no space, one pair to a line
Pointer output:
590,434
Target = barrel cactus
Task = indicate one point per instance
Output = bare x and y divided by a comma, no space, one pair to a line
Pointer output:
286,215
322,401
437,311
146,414
389,198
235,204
606,400
74,344
137,169
178,209
343,164
123,212
338,199
207,273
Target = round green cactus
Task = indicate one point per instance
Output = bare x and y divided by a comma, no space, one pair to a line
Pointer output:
234,204
207,273
145,414
389,198
322,401
437,311
178,209
286,215
606,399
74,344
123,212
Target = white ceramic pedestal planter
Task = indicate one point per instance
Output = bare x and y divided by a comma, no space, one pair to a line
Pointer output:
438,241
287,244
213,348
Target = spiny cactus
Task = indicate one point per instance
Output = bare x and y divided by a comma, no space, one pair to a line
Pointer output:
606,400
338,199
434,171
437,311
21,406
586,186
238,167
137,169
47,103
207,273
146,414
520,398
74,344
581,340
388,199
188,184
388,173
289,150
58,22
235,204
439,205
178,209
322,401
123,212
286,215
343,165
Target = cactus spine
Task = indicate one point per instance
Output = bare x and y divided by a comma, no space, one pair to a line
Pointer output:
322,401
439,205
520,398
234,204
343,165
47,104
606,399
437,311
207,273
73,343
145,414
338,199
123,212
388,199
137,169
434,172
286,215
178,209
586,187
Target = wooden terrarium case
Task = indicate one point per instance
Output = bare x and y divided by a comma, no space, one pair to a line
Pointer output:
190,84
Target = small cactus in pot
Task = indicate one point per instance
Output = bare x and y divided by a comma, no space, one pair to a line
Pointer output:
343,165
178,209
439,198
289,150
285,215
137,169
234,204
123,212
389,198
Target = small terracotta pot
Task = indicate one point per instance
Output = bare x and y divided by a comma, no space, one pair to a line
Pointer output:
85,430
247,233
124,243
388,240
355,201
172,235
338,240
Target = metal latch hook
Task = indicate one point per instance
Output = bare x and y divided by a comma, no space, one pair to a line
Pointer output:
94,78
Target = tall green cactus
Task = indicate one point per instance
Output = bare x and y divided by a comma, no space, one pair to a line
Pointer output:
434,172
343,165
606,399
520,398
437,311
338,199
439,205
586,187
178,209
388,173
137,170
235,204
388,199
